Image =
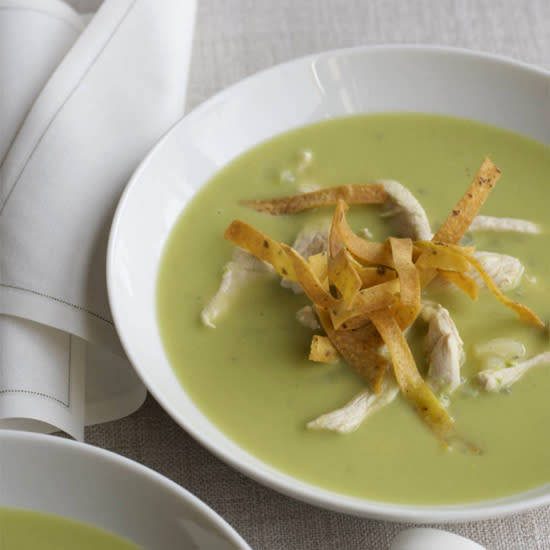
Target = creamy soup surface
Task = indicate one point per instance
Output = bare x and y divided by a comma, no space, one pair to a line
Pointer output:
28,530
251,376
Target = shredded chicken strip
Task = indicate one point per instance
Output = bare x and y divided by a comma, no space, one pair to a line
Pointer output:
444,348
506,271
494,380
348,418
306,317
407,215
500,352
513,225
238,272
505,348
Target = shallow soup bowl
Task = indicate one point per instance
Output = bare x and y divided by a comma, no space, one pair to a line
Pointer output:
79,482
335,84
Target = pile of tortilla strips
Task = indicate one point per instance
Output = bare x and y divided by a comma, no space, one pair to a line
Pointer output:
366,294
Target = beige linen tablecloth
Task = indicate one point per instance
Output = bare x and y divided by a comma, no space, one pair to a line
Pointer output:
234,39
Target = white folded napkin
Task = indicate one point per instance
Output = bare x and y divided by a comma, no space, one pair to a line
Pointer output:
80,104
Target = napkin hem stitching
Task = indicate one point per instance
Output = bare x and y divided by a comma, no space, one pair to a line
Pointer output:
64,103
58,300
42,394
39,394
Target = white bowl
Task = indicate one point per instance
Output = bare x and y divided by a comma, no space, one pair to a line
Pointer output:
84,483
329,85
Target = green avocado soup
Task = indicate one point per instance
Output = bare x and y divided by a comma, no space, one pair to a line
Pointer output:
250,375
28,530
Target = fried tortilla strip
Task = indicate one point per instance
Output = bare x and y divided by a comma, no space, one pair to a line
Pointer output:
409,380
367,300
305,275
440,257
262,246
334,238
524,313
405,316
444,247
312,239
283,258
448,263
409,280
322,350
371,276
358,349
452,256
368,193
366,252
466,210
343,275
462,281
319,266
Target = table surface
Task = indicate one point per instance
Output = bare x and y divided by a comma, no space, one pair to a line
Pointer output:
233,40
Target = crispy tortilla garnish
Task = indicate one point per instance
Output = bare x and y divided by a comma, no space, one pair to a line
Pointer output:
368,193
524,313
322,350
441,246
366,252
439,256
378,285
367,300
445,260
466,210
313,287
358,349
343,275
319,266
371,275
334,239
406,271
409,380
282,257
462,281
405,316
262,246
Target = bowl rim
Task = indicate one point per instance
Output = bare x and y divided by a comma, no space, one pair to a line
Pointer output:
309,493
78,448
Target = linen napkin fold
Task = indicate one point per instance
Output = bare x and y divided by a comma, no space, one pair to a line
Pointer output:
81,103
